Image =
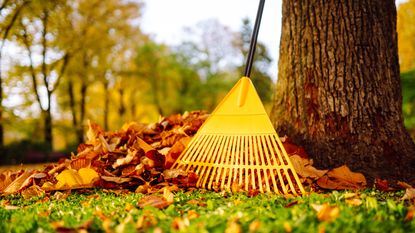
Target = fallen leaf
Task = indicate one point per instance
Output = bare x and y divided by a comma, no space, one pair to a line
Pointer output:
409,194
382,185
410,214
342,178
404,185
169,196
191,214
88,175
175,151
32,191
233,227
326,212
116,179
180,224
254,226
287,227
291,204
304,168
146,220
69,178
24,180
354,201
155,201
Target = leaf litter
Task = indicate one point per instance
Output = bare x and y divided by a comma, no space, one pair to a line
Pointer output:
139,157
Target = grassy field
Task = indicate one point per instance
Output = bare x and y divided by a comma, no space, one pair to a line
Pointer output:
205,211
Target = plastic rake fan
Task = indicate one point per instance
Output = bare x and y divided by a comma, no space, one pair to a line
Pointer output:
237,146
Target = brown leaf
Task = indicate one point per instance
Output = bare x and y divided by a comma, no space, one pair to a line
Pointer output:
32,191
382,185
304,169
169,196
173,173
326,212
175,151
21,182
409,194
155,201
342,178
410,214
115,179
354,201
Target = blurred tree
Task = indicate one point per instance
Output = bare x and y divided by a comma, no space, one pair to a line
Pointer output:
406,45
210,51
406,35
100,31
262,60
13,10
46,66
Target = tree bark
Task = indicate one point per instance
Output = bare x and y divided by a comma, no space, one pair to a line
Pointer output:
338,92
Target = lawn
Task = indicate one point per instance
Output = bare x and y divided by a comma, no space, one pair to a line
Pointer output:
98,210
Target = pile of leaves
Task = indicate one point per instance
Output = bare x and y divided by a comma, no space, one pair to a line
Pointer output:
139,157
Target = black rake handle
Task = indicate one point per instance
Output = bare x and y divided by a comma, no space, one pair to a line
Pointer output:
254,37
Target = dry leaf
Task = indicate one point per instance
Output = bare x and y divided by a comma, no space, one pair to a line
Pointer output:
409,194
32,191
24,180
410,214
155,201
169,196
233,227
68,178
254,226
325,212
287,227
304,168
342,178
354,201
88,175
180,223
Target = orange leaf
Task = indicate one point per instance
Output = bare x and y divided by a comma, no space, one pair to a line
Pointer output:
409,194
326,212
342,178
304,169
155,201
21,182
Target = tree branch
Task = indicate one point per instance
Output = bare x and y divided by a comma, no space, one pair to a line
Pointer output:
3,5
45,18
66,59
9,27
31,68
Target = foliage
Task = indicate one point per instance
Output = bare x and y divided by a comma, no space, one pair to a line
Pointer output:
408,102
202,211
262,60
406,35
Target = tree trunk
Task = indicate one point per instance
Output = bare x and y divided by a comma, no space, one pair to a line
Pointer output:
338,92
48,136
80,129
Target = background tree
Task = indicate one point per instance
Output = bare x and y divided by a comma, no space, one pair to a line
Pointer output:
338,92
262,60
14,9
36,32
406,45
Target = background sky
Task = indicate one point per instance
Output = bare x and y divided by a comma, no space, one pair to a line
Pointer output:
165,19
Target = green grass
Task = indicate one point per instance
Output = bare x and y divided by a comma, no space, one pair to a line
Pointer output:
99,211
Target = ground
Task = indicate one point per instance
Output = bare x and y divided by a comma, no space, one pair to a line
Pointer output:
98,210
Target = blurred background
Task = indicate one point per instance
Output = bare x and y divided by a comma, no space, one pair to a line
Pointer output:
63,63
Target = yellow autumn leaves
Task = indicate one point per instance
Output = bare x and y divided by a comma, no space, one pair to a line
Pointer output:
71,178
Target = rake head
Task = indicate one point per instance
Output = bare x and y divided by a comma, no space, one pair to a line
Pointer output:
237,147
